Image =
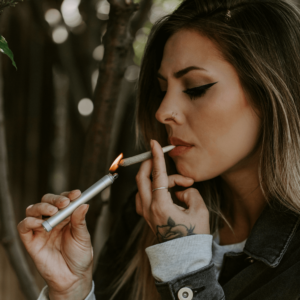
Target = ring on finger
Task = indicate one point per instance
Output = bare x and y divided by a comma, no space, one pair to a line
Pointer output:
160,188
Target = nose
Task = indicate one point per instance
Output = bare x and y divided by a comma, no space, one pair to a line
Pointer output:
169,112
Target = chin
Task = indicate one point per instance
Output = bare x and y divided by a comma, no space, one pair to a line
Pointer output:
196,172
185,170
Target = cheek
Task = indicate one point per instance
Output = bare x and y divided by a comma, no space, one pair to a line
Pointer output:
226,130
237,125
219,115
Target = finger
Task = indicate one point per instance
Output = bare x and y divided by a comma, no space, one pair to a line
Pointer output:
144,183
56,200
72,195
65,193
57,229
191,197
26,228
179,180
41,209
138,205
159,171
79,230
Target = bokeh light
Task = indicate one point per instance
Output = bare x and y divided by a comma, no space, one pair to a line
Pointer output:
60,34
103,8
95,76
85,107
52,16
70,12
98,53
132,73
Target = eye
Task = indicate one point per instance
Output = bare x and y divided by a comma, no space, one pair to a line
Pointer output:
198,91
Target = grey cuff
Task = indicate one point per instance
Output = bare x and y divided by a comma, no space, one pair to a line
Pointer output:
180,256
44,295
91,295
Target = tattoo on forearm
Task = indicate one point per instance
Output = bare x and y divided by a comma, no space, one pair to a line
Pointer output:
173,231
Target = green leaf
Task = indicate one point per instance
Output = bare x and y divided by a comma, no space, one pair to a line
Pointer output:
4,48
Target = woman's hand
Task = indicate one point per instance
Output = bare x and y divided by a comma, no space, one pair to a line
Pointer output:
166,219
63,256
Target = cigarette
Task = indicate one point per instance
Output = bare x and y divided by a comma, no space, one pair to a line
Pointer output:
142,157
91,192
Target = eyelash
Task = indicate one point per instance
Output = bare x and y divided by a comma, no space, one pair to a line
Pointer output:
197,91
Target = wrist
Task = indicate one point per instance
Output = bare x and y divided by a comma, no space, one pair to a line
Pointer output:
78,291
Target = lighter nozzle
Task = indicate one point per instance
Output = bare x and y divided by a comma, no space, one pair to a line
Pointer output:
115,176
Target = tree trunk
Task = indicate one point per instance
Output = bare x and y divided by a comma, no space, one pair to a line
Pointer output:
117,42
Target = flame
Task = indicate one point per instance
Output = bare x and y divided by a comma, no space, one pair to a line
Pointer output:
115,164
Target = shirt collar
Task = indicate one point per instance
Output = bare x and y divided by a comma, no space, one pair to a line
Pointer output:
272,234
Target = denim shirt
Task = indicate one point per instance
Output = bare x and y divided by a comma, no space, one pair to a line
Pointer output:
268,268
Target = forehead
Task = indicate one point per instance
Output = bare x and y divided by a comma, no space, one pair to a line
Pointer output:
186,48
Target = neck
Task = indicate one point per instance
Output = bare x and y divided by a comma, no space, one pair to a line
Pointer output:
243,201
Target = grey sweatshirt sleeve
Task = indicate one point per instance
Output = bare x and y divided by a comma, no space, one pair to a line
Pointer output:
44,295
183,269
180,256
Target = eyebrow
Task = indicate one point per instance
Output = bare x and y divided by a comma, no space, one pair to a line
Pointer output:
182,72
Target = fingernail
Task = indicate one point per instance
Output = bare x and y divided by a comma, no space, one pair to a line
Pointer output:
29,206
75,194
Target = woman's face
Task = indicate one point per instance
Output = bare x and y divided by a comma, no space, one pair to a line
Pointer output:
214,127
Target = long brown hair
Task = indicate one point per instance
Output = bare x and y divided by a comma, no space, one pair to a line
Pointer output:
261,39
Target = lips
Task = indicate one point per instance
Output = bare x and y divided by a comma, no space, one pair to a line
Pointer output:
181,146
178,142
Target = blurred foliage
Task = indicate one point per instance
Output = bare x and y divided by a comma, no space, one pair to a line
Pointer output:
3,43
8,3
4,49
159,9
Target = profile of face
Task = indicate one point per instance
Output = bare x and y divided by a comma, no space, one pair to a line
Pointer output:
204,109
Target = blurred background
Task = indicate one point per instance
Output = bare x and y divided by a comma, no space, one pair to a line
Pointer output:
68,111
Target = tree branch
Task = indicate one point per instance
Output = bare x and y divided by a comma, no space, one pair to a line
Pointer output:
126,99
137,21
117,42
140,16
10,238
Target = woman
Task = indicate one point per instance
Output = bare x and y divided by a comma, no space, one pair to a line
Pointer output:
220,80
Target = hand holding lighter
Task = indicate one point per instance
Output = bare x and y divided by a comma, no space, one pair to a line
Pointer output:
92,191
